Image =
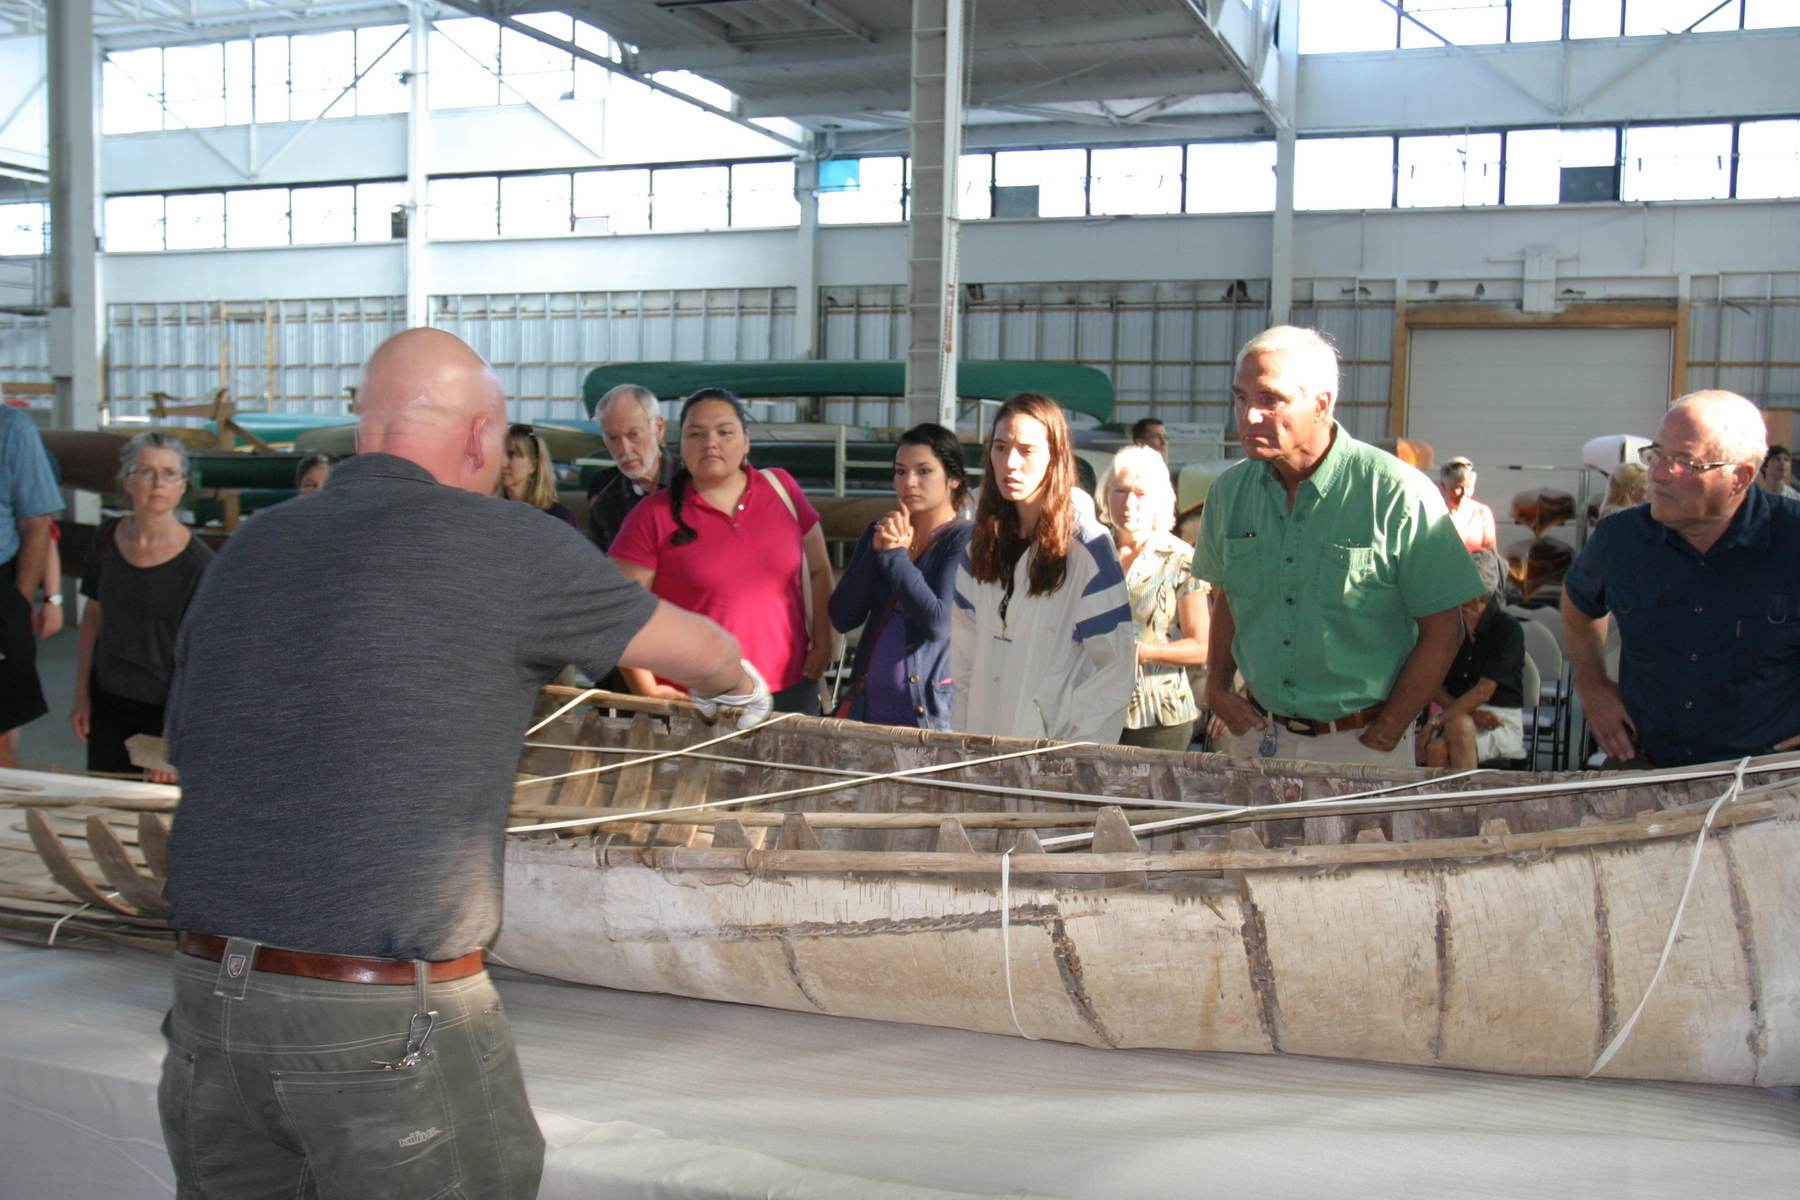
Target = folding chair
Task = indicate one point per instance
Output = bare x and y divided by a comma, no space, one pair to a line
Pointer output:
1546,659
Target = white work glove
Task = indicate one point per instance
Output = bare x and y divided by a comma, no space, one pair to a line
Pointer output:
753,705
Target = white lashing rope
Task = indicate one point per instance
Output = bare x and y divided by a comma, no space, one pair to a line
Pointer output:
788,793
57,928
650,758
585,696
1006,937
1731,793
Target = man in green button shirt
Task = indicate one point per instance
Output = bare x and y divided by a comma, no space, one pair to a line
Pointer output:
1337,571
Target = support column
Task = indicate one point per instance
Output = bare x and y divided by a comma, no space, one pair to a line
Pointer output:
937,112
806,265
77,313
1287,90
418,289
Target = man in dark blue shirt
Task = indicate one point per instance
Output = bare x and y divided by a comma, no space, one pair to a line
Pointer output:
1705,584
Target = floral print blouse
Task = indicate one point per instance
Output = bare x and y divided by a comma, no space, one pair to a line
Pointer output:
1159,576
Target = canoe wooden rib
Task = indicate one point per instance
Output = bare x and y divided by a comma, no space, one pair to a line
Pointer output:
1514,936
1438,924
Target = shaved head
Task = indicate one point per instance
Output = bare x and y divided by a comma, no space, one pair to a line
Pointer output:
428,398
1733,427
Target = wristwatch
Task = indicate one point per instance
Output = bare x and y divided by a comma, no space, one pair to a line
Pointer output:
54,598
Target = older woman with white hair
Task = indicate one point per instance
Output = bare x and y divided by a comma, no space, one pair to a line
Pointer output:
1168,605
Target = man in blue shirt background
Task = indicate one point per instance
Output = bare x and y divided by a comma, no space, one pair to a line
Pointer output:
28,498
1704,581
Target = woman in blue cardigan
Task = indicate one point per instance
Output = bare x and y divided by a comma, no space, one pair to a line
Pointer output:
898,588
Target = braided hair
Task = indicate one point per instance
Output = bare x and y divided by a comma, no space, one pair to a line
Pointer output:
683,478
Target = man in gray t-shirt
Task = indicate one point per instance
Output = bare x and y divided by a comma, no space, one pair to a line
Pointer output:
353,681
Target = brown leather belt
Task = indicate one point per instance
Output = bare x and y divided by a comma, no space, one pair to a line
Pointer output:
1307,727
344,968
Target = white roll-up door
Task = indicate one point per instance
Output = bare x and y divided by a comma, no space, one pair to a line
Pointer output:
1509,398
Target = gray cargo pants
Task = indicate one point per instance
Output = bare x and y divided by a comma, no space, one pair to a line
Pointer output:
278,1092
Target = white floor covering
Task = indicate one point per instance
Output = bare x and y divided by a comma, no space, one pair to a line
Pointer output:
653,1096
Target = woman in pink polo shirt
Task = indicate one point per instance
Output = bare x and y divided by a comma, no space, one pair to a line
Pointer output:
735,543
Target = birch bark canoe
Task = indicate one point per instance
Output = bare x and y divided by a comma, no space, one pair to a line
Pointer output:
1496,922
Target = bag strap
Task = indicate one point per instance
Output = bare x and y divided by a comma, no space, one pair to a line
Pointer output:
787,501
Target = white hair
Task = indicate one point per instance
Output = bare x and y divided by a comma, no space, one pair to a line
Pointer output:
1148,470
151,439
644,396
1733,426
1310,355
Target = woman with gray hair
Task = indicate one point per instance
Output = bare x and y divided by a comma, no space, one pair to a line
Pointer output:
1473,519
140,573
1168,605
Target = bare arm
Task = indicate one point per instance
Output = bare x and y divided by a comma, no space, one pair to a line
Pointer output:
1190,649
1601,702
34,536
685,646
89,637
1239,715
818,577
642,681
50,616
1440,634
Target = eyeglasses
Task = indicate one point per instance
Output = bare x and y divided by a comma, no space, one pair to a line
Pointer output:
1681,466
155,474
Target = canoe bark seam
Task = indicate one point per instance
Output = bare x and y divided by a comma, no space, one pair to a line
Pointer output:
1757,1038
1603,964
1255,935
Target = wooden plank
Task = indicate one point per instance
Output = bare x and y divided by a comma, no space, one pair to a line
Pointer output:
796,834
153,840
64,871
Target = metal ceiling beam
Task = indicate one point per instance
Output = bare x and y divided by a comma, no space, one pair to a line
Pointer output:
267,21
476,8
1030,135
1206,20
1029,36
994,95
1481,60
1663,44
836,17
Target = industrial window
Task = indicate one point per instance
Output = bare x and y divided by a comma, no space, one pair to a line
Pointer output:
687,198
464,208
612,201
1537,20
323,214
1059,178
534,205
536,70
194,85
1768,162
1136,179
320,67
1596,18
240,83
383,56
1651,17
1676,162
195,222
130,82
256,217
1770,14
133,223
1228,177
465,62
1344,173
1346,26
975,187
270,88
1539,162
375,204
1459,22
1449,170
22,229
862,191
762,194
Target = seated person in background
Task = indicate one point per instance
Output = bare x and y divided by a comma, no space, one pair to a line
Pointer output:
1480,718
1474,520
1627,487
1777,474
529,476
311,474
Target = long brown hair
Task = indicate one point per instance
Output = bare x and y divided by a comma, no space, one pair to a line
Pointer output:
995,548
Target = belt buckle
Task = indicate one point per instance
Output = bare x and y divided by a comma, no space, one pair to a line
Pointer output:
1295,725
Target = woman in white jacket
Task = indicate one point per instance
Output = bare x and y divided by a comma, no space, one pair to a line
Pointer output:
1041,638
